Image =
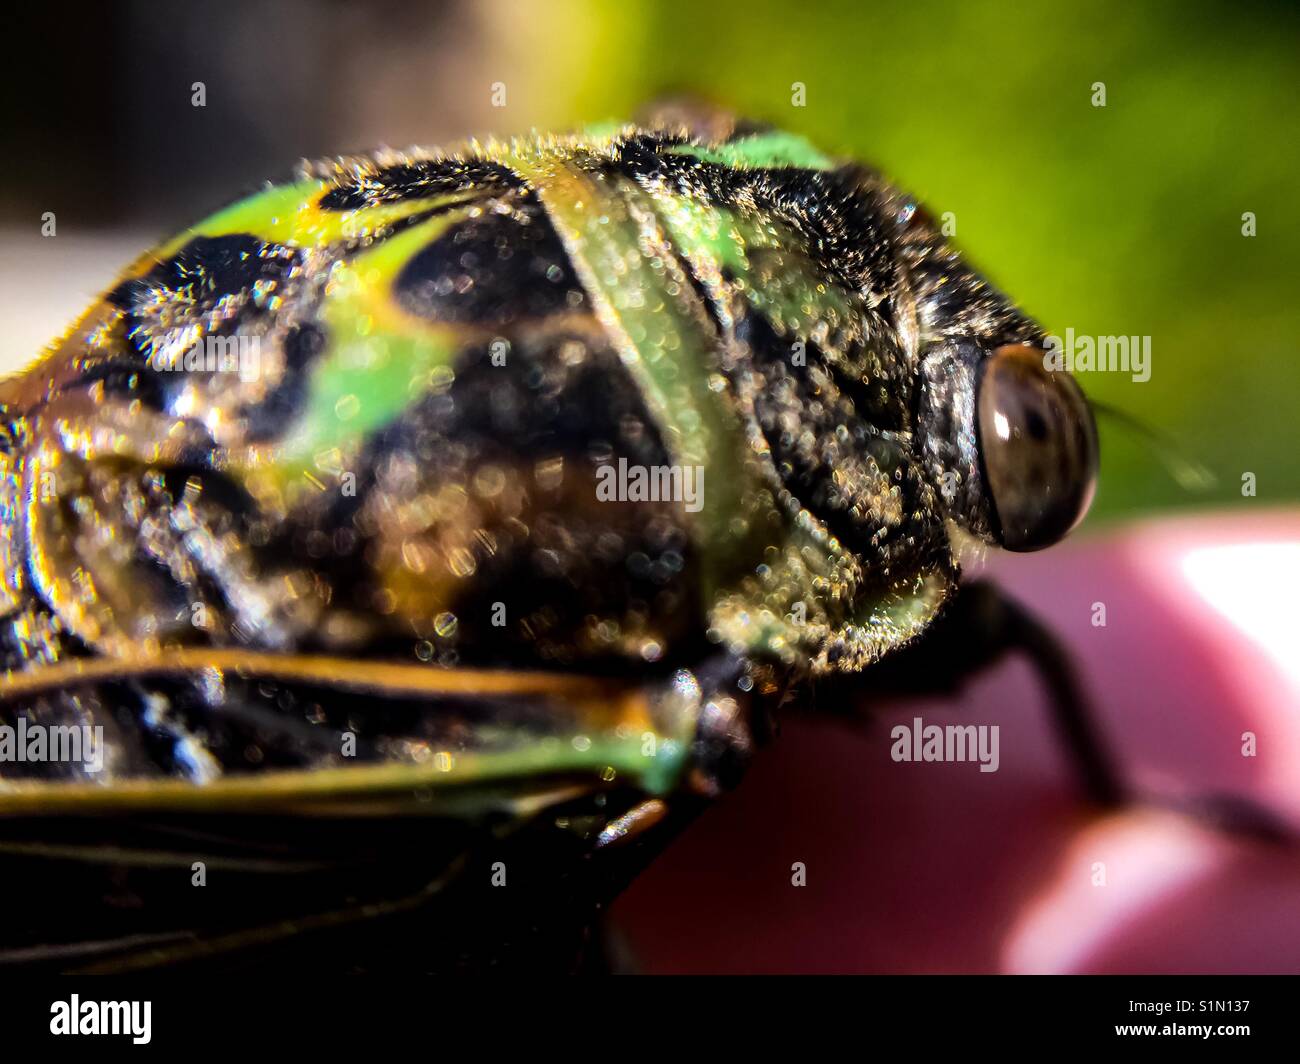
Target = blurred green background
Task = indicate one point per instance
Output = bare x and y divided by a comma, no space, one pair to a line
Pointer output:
1117,220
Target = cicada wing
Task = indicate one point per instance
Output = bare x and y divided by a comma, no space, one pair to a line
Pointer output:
457,780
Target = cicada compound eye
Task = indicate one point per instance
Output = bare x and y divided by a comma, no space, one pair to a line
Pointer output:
1038,447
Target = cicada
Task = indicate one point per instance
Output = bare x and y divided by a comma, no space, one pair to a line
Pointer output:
416,542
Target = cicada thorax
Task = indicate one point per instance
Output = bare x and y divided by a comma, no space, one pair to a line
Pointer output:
795,262
365,416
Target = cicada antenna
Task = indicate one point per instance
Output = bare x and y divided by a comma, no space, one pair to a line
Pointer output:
1188,474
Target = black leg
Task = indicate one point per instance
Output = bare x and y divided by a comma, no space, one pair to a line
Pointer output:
1020,630
977,630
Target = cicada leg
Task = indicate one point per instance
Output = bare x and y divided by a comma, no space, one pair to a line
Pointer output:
978,628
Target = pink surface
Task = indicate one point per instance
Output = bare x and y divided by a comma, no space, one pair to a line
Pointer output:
937,867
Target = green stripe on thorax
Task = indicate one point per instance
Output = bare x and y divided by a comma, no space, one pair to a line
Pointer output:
771,149
379,360
662,331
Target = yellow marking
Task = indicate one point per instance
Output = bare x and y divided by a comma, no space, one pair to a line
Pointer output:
324,791
391,677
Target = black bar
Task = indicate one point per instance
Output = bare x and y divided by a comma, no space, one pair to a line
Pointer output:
568,1017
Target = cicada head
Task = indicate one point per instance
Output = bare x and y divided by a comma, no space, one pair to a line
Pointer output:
1007,434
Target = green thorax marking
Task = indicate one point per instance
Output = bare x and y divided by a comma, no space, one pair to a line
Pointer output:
664,335
771,149
380,358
